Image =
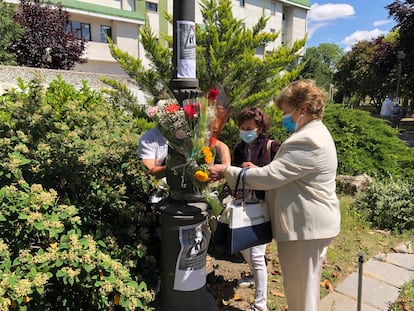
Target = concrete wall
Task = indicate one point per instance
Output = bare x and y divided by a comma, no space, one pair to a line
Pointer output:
10,74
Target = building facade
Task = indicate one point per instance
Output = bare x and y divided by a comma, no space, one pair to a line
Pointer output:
121,20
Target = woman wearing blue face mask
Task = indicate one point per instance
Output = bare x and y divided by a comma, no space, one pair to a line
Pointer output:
300,190
255,150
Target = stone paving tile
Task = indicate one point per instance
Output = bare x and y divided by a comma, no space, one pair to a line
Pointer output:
405,261
383,276
338,302
388,273
374,292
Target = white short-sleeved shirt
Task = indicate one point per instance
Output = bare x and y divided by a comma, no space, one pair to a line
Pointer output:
388,108
153,145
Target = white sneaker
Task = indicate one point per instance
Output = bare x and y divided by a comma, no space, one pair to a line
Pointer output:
253,308
246,281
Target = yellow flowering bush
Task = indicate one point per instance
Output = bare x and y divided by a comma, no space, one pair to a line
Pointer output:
71,193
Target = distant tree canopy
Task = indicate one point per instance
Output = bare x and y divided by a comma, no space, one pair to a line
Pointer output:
403,13
45,42
321,63
369,69
9,31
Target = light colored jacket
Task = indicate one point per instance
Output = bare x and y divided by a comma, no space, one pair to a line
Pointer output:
300,184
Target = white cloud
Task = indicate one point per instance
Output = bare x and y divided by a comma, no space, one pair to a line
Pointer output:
381,22
329,12
361,35
320,16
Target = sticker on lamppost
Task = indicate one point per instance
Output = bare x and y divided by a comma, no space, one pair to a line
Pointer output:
190,270
186,49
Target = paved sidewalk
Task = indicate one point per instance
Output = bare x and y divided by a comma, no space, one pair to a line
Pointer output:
382,278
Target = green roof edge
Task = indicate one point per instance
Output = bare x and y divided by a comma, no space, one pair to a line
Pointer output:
100,9
303,3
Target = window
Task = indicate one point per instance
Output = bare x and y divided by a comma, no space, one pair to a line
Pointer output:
80,30
105,31
151,6
242,2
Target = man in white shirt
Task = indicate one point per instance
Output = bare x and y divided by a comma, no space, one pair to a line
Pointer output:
388,109
153,150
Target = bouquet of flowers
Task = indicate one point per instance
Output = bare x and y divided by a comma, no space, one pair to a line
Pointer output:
192,131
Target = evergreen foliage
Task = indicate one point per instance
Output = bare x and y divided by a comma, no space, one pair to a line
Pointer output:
225,54
366,144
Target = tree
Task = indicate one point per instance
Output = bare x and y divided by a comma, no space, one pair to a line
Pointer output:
9,30
403,13
321,63
369,69
225,54
45,42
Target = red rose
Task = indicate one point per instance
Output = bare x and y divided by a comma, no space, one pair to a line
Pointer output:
212,94
191,111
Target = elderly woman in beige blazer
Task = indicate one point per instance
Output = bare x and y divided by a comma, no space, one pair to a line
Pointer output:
300,191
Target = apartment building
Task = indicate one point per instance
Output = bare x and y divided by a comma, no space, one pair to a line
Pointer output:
121,20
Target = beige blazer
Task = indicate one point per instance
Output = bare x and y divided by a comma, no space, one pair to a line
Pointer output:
300,185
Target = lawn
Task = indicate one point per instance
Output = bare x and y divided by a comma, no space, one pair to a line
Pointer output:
356,237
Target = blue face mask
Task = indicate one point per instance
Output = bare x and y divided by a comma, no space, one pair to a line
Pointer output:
287,122
248,136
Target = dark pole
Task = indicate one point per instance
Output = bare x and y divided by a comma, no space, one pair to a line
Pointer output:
360,275
400,57
184,82
184,231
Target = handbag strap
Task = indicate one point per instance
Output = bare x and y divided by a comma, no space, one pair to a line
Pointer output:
241,176
269,148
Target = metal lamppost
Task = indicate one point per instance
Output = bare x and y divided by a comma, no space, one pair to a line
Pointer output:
184,231
400,57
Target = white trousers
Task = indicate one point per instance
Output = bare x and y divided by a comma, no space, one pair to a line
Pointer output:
301,263
255,257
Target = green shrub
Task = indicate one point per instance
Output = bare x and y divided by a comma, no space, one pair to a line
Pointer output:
76,143
47,264
368,145
387,204
364,144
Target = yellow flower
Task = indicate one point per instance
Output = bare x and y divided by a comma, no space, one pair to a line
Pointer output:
208,154
26,299
201,176
53,245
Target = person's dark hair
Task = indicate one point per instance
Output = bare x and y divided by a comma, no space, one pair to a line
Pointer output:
260,118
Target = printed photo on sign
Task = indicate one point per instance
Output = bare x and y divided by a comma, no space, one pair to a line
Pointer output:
190,271
186,49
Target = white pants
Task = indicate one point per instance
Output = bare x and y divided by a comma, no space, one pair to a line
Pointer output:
301,263
255,257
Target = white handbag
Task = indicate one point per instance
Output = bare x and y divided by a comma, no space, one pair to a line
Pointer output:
242,224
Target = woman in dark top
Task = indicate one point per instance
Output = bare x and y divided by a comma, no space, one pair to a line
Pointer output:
255,149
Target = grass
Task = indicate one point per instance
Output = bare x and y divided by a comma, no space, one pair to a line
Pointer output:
356,237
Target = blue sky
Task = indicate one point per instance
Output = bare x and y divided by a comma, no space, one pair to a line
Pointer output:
348,21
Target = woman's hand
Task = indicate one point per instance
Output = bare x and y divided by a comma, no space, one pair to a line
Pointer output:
248,164
216,171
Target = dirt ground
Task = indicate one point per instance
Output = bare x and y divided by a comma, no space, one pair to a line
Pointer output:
224,271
